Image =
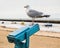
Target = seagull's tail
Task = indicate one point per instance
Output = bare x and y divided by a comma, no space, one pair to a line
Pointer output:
46,15
41,16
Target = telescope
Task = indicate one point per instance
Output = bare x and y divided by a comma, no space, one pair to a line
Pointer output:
20,37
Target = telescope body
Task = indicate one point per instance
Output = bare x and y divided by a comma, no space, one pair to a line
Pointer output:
20,37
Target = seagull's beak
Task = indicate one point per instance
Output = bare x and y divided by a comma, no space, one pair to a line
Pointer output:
26,6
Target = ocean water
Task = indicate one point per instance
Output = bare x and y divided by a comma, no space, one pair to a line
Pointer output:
54,28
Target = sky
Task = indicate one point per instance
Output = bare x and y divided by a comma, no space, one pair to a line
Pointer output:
14,9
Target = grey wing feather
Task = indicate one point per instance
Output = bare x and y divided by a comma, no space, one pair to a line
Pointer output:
33,13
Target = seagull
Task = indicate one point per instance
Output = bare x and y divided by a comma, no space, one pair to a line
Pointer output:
34,14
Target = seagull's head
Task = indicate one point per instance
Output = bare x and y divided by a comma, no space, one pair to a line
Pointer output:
27,6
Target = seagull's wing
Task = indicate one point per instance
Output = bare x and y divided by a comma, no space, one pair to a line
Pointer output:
34,13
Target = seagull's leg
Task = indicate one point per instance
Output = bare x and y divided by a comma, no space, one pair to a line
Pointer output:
33,20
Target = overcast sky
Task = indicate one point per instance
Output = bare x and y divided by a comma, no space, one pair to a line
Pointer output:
15,8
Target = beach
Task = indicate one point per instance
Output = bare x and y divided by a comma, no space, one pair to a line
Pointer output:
41,39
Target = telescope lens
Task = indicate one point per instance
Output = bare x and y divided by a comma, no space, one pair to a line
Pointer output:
10,38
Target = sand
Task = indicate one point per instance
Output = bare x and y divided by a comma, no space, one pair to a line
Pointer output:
39,40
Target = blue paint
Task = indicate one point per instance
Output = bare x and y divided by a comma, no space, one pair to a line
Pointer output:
22,34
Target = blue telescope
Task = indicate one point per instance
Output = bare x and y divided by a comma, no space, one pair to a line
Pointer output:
20,37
